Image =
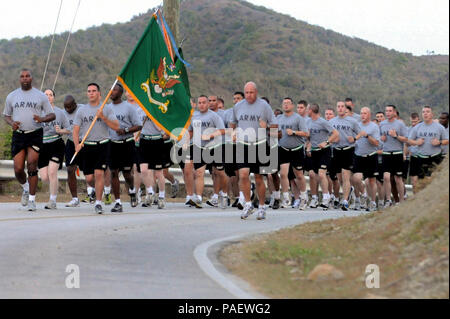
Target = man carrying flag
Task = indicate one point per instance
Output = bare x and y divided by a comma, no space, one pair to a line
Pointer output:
95,147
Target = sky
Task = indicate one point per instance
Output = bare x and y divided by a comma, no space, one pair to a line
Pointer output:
413,26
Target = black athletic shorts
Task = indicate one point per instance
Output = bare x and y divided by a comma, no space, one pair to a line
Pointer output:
229,159
23,140
94,156
295,157
52,152
406,165
154,153
257,158
414,166
428,164
69,152
367,165
209,157
333,169
122,155
168,145
321,159
343,158
393,163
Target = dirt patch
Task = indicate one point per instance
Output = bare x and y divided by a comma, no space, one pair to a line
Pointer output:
408,243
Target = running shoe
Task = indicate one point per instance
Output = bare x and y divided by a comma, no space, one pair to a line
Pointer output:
296,204
247,211
133,200
108,199
372,207
75,202
313,203
336,204
388,204
148,201
276,204
175,189
357,205
213,202
92,198
31,206
261,213
344,205
25,197
325,204
99,209
198,203
117,208
236,202
303,204
161,203
51,205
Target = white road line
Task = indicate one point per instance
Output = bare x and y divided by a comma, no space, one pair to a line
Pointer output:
201,256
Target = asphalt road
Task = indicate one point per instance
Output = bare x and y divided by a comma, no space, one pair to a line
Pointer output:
141,253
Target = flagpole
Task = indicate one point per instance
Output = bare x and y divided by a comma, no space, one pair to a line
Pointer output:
95,119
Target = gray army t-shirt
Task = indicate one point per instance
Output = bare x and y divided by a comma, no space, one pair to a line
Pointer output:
247,117
206,123
346,127
363,146
149,127
85,116
50,134
428,132
294,122
392,144
70,120
127,116
319,131
23,105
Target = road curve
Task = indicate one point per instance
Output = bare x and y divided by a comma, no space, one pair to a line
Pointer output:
141,253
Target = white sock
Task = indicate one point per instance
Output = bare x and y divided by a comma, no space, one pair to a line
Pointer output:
26,187
215,196
357,199
326,196
224,194
304,195
276,195
118,201
314,197
75,199
53,198
132,191
248,203
162,194
200,198
150,191
286,195
90,190
107,190
220,193
32,198
98,202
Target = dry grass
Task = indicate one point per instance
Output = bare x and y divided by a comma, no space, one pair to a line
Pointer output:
409,243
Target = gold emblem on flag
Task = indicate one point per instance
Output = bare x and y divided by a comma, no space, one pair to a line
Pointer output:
162,83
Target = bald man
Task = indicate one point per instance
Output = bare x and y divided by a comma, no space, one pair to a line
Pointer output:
251,119
366,158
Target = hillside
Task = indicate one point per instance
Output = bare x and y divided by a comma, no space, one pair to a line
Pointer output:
229,42
409,243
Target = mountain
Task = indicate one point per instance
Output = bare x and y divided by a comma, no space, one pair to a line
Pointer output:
229,42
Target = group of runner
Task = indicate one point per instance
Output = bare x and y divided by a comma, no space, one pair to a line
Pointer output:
359,161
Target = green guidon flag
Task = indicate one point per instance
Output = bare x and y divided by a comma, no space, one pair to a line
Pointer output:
157,83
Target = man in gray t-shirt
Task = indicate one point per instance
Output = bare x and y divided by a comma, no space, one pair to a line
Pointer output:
393,134
122,145
251,119
25,109
429,137
95,148
344,148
